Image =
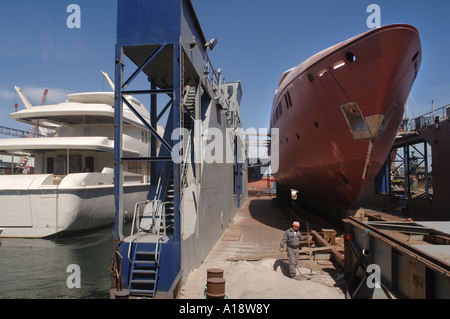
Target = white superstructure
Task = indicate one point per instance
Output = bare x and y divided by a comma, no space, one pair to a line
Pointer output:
72,185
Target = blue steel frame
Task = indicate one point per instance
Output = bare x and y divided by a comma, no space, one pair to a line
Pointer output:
118,152
170,255
383,179
123,40
131,10
161,26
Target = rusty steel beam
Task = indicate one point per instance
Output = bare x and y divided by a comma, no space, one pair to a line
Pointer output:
431,261
406,270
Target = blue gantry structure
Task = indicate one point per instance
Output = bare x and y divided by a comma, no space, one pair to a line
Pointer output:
191,200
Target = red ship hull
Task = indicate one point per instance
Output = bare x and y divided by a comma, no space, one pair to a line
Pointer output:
338,112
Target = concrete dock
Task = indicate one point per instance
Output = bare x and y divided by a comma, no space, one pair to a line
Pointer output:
256,230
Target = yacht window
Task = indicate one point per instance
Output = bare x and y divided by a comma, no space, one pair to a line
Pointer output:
289,98
89,164
60,165
75,164
50,167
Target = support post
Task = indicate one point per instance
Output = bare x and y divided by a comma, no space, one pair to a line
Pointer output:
407,172
177,67
427,190
153,123
118,119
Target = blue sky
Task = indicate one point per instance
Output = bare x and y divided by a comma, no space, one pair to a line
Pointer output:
257,41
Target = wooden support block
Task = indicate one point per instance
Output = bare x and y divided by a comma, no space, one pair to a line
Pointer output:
321,241
330,236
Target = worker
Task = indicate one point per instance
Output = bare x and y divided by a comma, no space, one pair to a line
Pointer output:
290,241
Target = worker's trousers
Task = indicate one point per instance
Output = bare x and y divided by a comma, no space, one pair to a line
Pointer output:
293,259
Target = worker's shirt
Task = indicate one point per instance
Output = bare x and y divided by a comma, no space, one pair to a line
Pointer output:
291,238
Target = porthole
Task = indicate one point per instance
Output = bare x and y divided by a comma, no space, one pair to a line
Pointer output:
350,56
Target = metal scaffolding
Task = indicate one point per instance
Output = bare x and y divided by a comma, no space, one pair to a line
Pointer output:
165,44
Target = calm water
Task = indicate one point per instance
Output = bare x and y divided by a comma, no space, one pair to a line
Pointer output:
37,268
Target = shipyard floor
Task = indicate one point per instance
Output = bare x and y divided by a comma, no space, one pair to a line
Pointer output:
256,230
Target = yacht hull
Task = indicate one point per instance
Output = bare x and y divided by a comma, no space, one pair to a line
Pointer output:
51,210
341,110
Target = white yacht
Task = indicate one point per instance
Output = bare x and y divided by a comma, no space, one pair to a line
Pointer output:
72,185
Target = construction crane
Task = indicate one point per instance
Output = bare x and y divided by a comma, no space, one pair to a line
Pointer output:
44,97
28,105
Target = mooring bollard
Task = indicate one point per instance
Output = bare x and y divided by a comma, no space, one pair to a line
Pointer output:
215,284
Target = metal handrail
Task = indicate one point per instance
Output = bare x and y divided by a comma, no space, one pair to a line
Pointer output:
212,75
159,213
187,151
136,215
136,209
160,237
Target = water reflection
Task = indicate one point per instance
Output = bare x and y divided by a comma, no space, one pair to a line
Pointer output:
37,268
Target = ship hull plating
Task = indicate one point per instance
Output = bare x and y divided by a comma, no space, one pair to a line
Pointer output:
338,112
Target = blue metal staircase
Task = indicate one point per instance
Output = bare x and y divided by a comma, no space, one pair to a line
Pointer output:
153,221
144,272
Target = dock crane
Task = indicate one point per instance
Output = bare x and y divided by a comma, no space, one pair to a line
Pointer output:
44,97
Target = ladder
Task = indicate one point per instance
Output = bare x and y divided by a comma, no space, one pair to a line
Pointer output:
188,107
144,272
169,206
156,222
